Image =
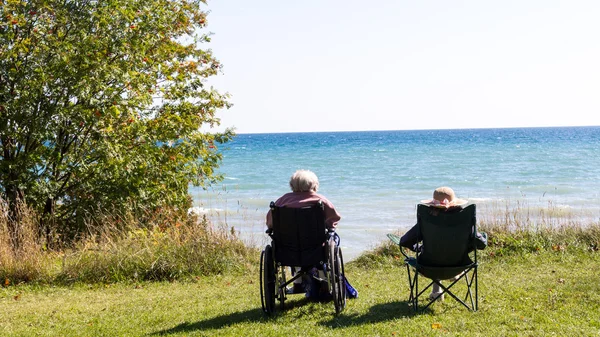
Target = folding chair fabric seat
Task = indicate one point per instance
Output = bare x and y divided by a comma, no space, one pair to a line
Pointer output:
437,273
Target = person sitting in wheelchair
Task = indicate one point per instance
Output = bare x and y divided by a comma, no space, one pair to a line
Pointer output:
304,185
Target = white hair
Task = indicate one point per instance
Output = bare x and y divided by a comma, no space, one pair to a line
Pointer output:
304,181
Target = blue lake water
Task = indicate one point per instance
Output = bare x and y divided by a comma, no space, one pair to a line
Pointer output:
376,178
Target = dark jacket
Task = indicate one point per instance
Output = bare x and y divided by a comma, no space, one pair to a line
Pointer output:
410,239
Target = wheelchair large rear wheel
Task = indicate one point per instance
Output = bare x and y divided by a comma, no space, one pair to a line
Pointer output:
336,277
341,281
267,280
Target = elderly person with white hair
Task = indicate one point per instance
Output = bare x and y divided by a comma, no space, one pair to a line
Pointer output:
304,185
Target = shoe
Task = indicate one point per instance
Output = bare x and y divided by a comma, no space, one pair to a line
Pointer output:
436,296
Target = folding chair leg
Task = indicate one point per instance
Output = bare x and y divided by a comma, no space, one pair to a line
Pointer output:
412,284
434,299
476,292
415,292
469,294
419,293
455,297
474,302
413,281
416,302
474,305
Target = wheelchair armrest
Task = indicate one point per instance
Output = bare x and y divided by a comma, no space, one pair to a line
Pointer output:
331,232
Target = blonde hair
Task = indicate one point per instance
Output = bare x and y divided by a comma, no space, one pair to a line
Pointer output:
304,181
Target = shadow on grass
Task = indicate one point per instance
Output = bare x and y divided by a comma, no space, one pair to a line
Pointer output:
377,313
215,323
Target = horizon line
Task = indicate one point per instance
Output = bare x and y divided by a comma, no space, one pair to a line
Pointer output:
433,129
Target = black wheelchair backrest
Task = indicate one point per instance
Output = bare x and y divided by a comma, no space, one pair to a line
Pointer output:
299,235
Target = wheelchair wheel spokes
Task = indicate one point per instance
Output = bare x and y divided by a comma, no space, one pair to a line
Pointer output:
330,267
339,269
268,278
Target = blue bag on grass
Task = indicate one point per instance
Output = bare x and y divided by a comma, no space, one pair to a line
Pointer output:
350,291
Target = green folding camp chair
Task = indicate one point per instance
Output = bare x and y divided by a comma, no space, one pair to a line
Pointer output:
447,252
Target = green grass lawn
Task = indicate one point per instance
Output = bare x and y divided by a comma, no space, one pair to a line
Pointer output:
549,293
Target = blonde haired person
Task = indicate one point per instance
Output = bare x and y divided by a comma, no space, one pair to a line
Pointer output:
445,199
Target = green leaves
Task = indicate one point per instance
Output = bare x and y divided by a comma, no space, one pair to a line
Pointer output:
102,103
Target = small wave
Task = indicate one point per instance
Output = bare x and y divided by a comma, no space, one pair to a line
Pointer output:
479,199
197,210
231,178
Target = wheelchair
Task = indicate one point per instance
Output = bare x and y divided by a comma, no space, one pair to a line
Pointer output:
299,239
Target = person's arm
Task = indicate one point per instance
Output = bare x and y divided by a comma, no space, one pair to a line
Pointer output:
278,202
269,220
410,238
332,217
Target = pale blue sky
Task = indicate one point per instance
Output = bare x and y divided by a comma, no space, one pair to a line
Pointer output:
406,64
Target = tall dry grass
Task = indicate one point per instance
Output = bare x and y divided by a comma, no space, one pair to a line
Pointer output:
30,261
156,252
515,228
168,245
519,227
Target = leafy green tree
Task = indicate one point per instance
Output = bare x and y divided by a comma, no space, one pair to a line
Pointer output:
102,108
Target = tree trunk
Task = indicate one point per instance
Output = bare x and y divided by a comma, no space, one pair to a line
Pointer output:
48,222
16,202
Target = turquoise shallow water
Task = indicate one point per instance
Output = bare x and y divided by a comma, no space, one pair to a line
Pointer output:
376,178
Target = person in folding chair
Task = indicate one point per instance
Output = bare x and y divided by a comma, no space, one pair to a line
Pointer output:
448,225
304,185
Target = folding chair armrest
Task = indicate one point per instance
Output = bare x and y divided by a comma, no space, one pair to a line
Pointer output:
403,251
396,239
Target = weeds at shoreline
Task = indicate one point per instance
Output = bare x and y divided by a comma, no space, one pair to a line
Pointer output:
118,248
533,282
511,235
156,254
174,247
